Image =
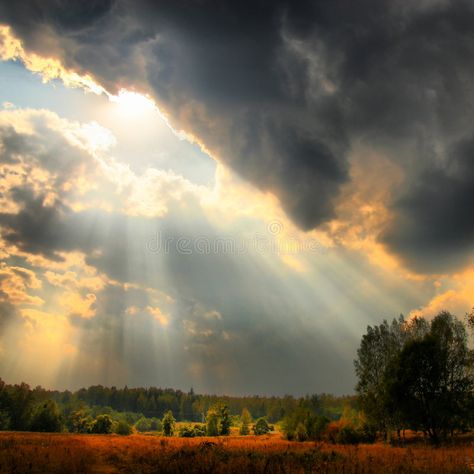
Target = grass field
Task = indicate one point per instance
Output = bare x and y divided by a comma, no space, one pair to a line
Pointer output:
66,453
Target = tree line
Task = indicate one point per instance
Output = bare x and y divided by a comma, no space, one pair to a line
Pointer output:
189,406
23,408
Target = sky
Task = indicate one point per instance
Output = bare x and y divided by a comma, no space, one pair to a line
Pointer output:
223,195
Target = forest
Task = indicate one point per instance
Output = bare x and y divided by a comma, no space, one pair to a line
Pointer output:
23,408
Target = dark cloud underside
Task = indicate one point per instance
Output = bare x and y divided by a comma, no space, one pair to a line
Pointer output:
280,91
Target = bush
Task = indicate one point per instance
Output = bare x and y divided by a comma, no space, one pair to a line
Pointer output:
340,433
123,428
155,424
79,421
187,431
347,435
199,430
143,424
102,425
261,427
367,434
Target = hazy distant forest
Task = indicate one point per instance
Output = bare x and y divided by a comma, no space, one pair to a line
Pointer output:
412,375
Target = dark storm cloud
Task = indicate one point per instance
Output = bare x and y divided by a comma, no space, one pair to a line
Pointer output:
44,229
281,90
434,219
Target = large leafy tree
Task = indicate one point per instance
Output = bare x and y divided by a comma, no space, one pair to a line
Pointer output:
19,402
431,380
415,374
378,348
225,421
47,418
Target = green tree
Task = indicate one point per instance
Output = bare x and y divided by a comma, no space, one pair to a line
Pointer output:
378,350
47,418
155,424
79,421
103,424
224,420
246,420
123,428
143,424
168,423
431,381
20,406
212,422
261,427
218,420
470,320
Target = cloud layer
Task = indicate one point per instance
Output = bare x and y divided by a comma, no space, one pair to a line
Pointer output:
282,92
84,284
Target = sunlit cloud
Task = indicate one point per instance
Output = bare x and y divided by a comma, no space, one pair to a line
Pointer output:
132,104
11,49
15,284
453,293
78,305
156,312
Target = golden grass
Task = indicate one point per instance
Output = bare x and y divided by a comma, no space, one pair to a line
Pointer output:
68,453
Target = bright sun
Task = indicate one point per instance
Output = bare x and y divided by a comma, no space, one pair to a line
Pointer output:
132,103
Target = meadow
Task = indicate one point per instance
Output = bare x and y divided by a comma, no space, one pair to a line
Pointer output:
72,453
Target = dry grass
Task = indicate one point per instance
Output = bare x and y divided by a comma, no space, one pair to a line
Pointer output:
66,453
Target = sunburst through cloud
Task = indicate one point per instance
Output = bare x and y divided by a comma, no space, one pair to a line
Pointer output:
234,196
